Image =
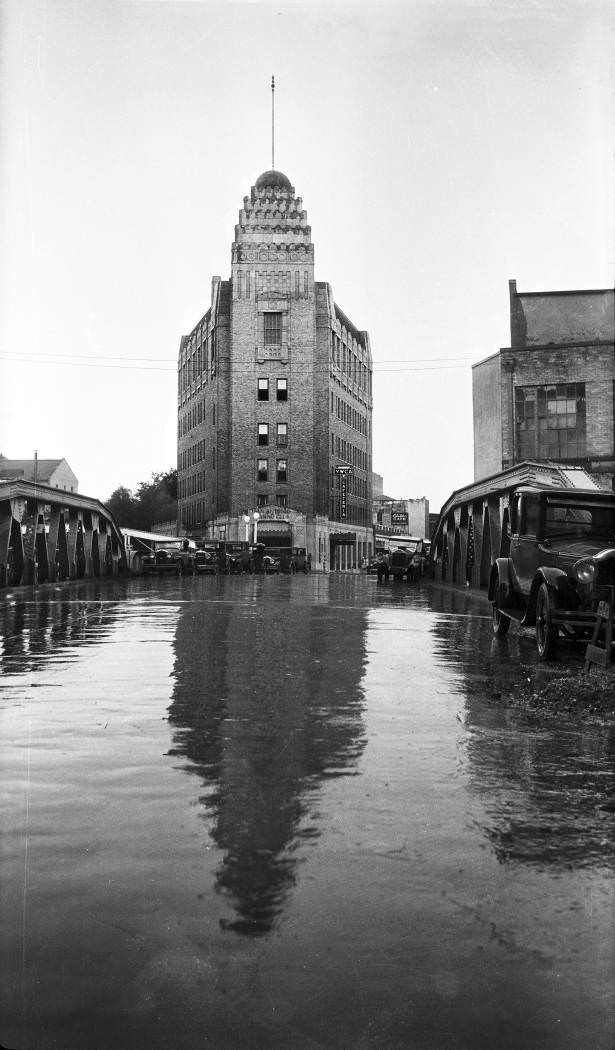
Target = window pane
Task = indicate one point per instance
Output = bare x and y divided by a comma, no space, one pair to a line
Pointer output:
262,469
282,433
263,390
263,433
282,389
273,329
282,471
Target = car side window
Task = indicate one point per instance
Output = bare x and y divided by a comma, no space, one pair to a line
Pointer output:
530,515
515,514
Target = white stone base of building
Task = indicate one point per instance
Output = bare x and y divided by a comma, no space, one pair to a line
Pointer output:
332,545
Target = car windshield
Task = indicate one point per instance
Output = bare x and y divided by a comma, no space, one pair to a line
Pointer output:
587,519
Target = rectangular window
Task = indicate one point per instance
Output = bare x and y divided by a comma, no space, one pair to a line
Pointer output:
262,499
550,422
281,499
263,389
262,469
282,434
282,470
263,433
273,329
282,389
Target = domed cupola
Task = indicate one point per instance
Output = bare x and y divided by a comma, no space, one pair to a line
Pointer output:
274,180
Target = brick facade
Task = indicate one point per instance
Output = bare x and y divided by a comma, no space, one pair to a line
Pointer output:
561,358
275,390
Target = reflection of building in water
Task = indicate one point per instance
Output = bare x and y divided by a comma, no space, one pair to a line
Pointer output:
546,788
33,633
267,703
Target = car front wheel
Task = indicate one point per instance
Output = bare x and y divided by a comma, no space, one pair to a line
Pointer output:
546,631
500,622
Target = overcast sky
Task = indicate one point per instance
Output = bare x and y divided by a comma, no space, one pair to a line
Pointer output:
440,148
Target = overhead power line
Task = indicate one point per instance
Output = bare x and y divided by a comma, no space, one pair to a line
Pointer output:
126,364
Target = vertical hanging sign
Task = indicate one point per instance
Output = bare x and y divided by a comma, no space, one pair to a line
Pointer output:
342,473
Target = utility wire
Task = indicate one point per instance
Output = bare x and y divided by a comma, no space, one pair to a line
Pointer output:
90,363
169,361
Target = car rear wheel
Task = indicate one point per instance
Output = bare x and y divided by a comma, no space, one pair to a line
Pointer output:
546,631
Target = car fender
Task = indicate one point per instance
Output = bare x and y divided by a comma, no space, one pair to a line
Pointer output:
500,570
561,590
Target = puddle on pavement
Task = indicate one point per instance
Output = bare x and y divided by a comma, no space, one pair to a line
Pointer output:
294,812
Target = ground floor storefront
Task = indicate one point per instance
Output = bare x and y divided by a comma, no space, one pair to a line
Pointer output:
331,546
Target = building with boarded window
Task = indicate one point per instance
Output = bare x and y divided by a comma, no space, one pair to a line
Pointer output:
275,397
550,395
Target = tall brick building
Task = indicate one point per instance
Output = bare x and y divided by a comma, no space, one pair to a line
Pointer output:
551,394
275,397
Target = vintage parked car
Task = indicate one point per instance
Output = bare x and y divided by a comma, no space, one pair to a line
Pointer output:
206,560
239,557
170,558
408,561
560,570
271,563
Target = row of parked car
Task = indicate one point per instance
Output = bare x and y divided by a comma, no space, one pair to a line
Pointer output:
222,557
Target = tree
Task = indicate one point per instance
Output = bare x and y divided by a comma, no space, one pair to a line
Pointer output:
154,501
123,506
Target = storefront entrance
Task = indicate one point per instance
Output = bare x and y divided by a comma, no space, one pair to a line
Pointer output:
343,551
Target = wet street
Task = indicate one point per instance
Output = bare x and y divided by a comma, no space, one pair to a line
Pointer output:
294,813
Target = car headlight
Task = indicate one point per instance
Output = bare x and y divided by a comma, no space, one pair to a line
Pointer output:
584,572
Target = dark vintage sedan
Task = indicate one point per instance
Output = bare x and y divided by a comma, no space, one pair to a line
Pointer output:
239,558
206,560
271,563
177,559
559,573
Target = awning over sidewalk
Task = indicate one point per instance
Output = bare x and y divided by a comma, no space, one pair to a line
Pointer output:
343,538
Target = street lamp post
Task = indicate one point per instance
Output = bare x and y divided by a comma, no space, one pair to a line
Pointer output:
256,516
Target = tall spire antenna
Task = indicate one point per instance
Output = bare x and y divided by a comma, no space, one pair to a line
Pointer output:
272,123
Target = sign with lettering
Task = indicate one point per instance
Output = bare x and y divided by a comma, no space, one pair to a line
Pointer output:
342,473
270,513
399,517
